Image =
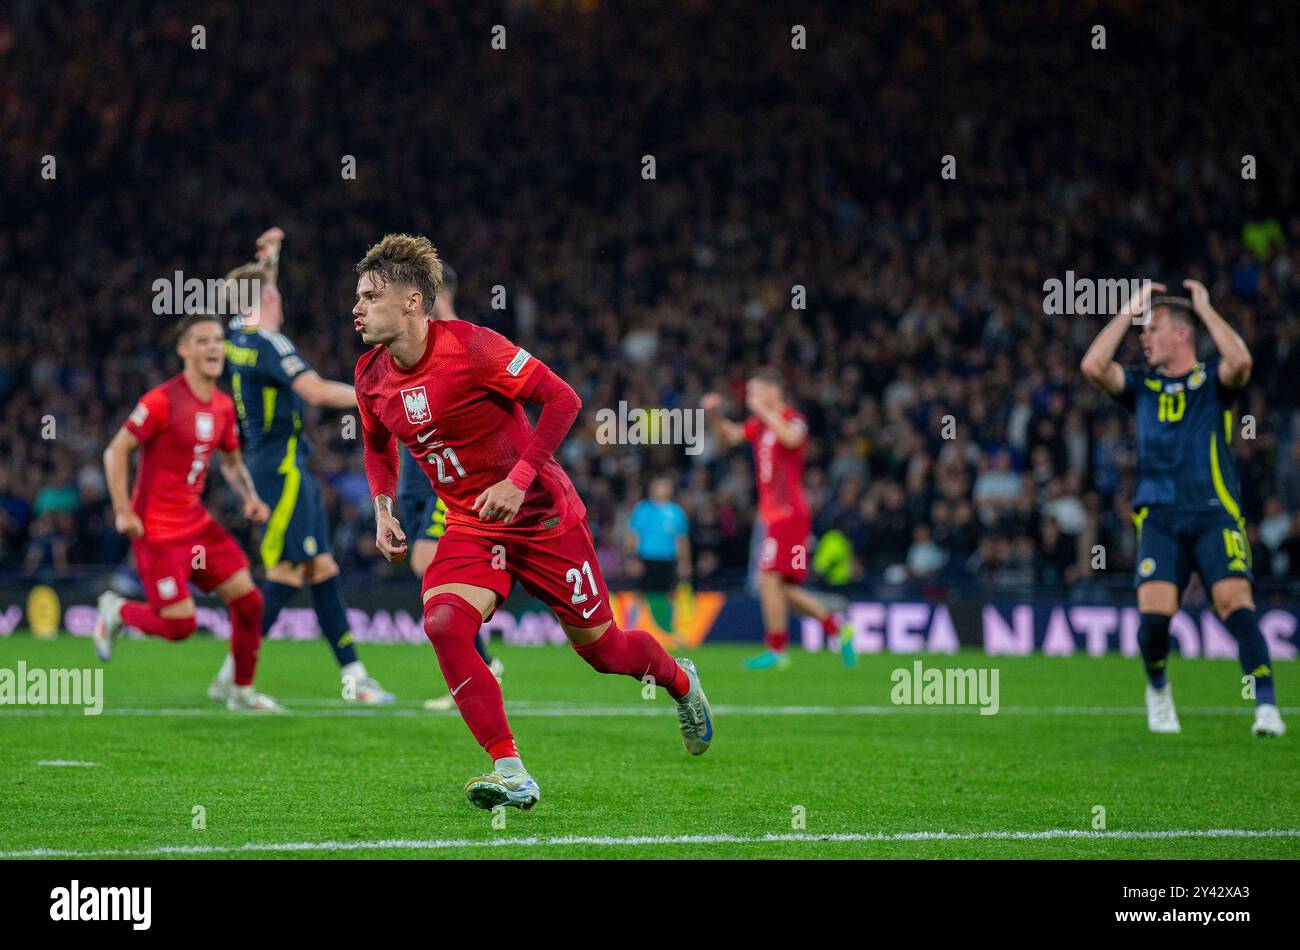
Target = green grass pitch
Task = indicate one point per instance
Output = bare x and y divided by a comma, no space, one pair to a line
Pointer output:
799,757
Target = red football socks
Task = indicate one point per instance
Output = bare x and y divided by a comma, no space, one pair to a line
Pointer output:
777,640
451,623
245,634
503,749
637,654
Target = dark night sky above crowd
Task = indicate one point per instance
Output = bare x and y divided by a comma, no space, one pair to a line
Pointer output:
775,167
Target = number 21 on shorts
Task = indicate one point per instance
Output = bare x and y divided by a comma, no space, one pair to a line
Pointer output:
575,576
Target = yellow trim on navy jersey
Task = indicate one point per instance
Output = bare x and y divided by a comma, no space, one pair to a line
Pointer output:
268,407
236,387
240,355
1220,486
273,540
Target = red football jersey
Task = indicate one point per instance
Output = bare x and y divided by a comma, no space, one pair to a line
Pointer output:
177,432
458,411
779,469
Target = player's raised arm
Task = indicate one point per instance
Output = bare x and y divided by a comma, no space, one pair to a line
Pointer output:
268,257
1235,361
268,252
1099,364
235,471
117,472
731,433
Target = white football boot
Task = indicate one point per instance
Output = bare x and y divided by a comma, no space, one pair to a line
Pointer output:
693,713
108,624
368,692
1268,721
247,699
220,688
1161,715
514,788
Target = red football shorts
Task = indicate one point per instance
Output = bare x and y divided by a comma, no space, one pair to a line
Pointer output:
785,548
207,557
561,571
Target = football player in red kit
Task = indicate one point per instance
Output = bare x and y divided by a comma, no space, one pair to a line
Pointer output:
453,394
178,426
778,434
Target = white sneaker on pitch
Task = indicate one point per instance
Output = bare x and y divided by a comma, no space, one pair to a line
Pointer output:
1161,715
108,624
1268,721
224,681
247,699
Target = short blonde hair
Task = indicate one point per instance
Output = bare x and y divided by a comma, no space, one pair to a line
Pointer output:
231,298
405,259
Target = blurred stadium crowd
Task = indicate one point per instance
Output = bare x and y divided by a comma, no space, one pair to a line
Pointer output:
774,167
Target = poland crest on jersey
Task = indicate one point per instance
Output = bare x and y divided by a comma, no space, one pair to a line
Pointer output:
203,427
416,402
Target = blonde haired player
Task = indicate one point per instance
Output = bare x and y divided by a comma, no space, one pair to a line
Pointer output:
1186,507
453,394
271,381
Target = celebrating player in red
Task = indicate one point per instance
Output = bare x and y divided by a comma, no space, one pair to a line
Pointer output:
453,394
778,434
179,424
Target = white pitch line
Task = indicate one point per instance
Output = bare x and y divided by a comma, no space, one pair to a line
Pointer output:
85,765
524,709
407,844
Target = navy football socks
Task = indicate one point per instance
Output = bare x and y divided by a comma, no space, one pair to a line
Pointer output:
1252,648
1153,641
327,598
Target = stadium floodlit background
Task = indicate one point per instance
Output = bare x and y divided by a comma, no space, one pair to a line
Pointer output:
774,167
924,297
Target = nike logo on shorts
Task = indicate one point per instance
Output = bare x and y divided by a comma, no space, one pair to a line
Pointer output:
587,613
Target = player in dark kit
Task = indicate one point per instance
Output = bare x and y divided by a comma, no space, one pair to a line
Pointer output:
1187,507
424,512
453,394
178,427
271,382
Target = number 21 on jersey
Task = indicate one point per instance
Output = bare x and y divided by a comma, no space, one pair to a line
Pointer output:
450,455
